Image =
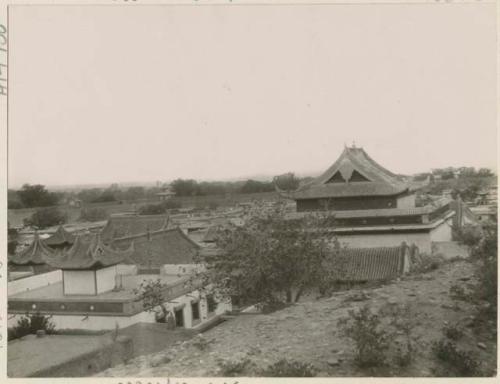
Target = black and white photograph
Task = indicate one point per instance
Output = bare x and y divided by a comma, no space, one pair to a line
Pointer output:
241,190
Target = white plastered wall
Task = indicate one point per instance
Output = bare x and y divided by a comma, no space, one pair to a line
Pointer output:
79,282
406,201
421,240
33,282
442,232
106,279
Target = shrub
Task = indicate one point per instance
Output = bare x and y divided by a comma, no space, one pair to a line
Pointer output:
232,368
463,362
29,324
201,343
46,217
453,331
425,263
458,292
289,368
403,321
364,328
468,236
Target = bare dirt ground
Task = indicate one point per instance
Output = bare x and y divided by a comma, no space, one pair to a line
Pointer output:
308,332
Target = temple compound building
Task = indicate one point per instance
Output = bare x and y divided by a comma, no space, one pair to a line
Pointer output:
374,207
93,283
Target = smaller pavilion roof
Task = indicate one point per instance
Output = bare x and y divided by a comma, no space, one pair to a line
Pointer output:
60,236
35,254
89,252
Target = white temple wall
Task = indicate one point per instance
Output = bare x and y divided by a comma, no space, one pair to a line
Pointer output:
442,232
33,282
181,269
92,322
106,278
406,201
421,240
79,282
96,323
126,269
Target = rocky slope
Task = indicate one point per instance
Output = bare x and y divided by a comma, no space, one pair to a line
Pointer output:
308,332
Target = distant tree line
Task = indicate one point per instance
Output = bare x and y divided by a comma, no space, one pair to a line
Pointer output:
190,187
30,196
454,172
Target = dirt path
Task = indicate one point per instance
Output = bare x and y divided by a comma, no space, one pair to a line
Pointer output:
308,332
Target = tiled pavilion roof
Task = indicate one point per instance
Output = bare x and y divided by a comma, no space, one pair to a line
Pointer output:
89,252
35,254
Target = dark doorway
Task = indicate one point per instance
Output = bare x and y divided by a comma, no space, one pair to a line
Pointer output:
179,317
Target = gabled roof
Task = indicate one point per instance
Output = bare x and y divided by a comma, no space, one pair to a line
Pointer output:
353,174
129,225
61,236
89,252
154,249
369,264
35,254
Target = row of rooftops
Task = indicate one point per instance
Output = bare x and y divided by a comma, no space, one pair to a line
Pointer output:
64,250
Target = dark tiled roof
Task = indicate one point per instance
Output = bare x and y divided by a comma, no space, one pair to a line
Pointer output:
88,252
35,254
154,249
371,264
381,182
130,225
61,236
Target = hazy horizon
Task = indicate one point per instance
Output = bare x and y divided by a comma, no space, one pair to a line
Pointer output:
155,93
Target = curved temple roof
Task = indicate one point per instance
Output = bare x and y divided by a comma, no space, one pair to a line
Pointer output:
353,174
36,254
89,253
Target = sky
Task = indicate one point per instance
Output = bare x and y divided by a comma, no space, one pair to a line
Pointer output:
104,94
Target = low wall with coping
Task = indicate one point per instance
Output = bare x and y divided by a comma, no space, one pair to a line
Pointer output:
33,282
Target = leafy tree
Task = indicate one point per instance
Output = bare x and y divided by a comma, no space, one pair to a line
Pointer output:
254,186
271,259
286,182
105,197
30,324
485,172
46,217
89,195
36,196
153,298
183,187
13,200
134,193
